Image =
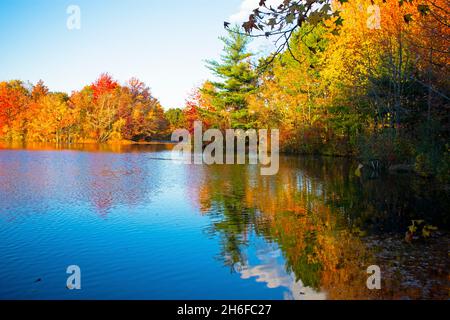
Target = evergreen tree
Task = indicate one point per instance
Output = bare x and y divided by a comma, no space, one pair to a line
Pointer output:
238,81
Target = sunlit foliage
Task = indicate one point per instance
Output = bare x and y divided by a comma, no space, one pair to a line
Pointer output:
102,112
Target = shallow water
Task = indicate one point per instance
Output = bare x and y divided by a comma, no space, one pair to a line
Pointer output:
142,226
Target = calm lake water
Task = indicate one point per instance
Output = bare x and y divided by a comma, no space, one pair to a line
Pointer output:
142,226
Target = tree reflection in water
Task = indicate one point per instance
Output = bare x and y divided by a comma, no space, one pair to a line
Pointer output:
324,221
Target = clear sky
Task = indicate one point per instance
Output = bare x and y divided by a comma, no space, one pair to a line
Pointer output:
162,42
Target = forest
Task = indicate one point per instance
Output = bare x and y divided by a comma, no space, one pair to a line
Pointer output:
341,83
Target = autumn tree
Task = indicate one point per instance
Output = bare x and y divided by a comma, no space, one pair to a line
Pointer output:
52,119
175,118
282,21
291,97
14,98
142,112
39,90
105,84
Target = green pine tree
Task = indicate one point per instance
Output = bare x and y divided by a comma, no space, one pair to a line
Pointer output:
238,80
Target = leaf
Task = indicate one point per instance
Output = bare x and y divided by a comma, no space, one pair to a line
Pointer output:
339,21
423,9
290,18
272,22
408,17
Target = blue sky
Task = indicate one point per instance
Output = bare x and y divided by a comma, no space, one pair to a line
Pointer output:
163,43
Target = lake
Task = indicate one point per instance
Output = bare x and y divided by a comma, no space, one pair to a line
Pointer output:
141,225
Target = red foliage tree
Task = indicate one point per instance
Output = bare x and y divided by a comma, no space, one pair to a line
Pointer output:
191,111
13,100
104,84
